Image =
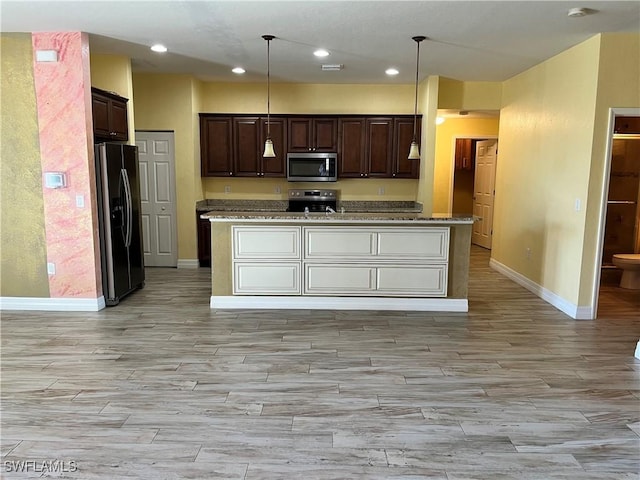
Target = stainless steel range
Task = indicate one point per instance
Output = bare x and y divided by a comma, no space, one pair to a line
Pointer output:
313,200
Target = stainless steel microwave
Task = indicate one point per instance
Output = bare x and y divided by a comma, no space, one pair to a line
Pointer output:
312,167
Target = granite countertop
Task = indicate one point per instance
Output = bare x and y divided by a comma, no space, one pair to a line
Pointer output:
337,218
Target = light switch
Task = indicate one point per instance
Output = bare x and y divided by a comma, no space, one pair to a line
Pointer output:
80,201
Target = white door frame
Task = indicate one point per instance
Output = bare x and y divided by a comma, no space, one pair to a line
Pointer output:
452,164
604,193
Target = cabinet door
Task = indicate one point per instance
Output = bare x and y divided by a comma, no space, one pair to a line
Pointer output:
274,167
351,147
216,152
204,241
299,134
376,280
406,281
313,134
325,135
339,279
118,120
266,278
465,154
413,244
379,147
100,112
402,136
266,243
245,147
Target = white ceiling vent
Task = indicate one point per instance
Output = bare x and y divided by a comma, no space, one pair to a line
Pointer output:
332,68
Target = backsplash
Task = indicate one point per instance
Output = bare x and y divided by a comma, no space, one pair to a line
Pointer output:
281,206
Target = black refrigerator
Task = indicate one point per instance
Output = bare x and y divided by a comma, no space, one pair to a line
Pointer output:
120,224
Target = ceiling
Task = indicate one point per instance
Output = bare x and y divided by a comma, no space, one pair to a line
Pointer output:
467,40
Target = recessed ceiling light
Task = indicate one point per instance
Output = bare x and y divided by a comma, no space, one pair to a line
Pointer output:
159,48
238,70
321,52
391,71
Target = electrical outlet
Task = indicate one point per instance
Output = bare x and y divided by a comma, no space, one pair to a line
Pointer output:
80,201
277,189
51,268
227,189
381,191
528,253
578,205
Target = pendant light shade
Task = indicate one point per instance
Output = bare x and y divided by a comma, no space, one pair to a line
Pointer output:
414,151
268,144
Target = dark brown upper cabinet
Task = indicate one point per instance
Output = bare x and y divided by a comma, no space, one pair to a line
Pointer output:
402,167
109,113
216,141
313,134
250,134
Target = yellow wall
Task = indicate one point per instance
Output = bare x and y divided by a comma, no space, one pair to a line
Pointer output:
23,270
546,130
618,86
457,95
428,105
165,102
446,134
307,98
113,73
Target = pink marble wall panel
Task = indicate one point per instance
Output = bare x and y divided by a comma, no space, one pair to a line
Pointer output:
63,95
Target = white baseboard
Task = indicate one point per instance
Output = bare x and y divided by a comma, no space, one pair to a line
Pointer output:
574,311
53,304
340,303
188,263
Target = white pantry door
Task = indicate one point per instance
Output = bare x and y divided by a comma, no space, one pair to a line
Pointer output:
156,154
484,191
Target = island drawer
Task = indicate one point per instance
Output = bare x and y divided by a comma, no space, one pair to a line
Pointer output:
429,244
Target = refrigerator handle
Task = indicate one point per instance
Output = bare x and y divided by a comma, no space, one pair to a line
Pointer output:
128,206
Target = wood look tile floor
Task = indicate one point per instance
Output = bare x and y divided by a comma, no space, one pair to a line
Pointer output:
161,387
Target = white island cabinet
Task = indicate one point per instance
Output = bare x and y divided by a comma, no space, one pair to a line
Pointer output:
358,261
266,260
385,260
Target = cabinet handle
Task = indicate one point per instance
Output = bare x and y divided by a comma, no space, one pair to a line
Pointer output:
113,133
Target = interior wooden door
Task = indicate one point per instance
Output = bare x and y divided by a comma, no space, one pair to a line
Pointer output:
158,198
484,192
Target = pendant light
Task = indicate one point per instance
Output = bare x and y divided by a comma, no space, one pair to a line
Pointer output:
414,151
268,144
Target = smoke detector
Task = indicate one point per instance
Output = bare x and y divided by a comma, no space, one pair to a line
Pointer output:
332,68
577,12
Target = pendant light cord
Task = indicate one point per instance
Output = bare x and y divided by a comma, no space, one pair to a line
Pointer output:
268,38
417,39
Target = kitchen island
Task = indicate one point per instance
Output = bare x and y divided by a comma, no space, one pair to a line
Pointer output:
339,261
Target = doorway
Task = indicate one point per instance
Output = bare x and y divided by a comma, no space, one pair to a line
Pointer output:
620,218
156,156
473,189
